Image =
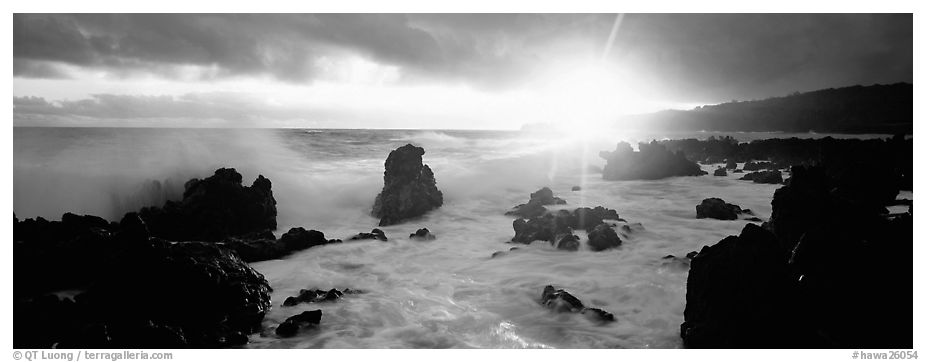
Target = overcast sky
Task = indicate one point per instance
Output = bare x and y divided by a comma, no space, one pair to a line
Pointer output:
431,70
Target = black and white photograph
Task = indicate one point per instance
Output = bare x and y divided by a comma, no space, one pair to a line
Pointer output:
479,179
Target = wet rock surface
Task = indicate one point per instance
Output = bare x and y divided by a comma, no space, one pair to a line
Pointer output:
652,161
764,177
422,235
214,208
260,247
135,289
603,237
409,189
317,296
566,241
293,325
716,208
561,301
535,206
557,228
375,234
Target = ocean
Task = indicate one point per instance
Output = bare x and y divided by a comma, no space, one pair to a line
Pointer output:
442,293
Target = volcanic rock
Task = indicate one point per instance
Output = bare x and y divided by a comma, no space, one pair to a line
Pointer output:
409,189
653,161
716,208
215,208
291,326
561,301
764,177
317,296
375,234
603,237
535,206
422,234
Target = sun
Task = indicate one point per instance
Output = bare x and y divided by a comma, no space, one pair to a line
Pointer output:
580,96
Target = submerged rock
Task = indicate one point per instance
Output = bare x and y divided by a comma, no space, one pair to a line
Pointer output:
535,206
653,161
375,234
561,301
576,188
214,208
603,237
764,177
544,196
715,208
587,218
503,253
291,326
539,228
409,189
566,241
317,296
422,234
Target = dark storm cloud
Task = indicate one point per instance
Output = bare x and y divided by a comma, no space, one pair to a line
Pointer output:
724,56
234,108
284,45
687,57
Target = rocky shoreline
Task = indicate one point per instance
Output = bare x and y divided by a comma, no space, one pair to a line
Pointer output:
805,278
176,276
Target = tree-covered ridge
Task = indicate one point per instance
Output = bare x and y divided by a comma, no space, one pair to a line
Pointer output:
857,109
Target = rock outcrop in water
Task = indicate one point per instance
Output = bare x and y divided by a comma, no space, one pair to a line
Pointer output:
764,177
409,190
603,237
715,208
264,246
814,278
561,301
375,234
317,296
292,325
557,228
652,162
214,208
535,206
720,172
422,234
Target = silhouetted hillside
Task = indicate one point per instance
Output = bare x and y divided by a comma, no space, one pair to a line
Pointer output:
857,109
